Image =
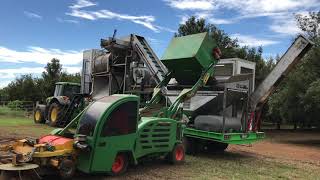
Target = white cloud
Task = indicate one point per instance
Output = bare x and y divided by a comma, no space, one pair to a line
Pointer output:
211,19
144,20
154,41
82,4
67,21
13,73
246,40
191,4
32,15
208,16
280,12
285,24
40,55
266,6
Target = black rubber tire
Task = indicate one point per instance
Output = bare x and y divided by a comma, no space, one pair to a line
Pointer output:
40,120
59,113
124,167
67,169
216,147
189,145
172,158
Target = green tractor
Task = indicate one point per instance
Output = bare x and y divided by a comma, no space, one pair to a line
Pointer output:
54,112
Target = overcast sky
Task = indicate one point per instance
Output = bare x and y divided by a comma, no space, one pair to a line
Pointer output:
34,31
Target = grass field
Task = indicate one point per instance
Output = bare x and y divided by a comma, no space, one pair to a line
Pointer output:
238,162
19,127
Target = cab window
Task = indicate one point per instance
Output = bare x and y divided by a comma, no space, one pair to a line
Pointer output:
123,120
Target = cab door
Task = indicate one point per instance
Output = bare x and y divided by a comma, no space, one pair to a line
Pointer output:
116,134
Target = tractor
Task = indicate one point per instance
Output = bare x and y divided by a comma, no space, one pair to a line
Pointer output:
56,107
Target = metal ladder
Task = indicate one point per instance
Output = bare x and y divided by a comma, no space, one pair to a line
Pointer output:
155,66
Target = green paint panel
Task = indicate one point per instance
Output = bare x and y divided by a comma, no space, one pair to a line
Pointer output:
156,135
230,138
153,136
187,56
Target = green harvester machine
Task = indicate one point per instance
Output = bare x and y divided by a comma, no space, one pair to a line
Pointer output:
202,110
216,122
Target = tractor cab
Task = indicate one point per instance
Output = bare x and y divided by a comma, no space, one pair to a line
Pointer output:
109,126
66,89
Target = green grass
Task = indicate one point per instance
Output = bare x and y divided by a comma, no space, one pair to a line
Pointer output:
235,166
15,121
5,111
21,126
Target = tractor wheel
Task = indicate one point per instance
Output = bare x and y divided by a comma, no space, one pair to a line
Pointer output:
55,114
189,145
120,164
67,169
38,116
177,155
216,147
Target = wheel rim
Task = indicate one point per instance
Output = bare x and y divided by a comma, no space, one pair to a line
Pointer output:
54,114
179,153
37,116
118,164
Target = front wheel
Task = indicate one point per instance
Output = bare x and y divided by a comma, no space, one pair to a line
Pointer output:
177,155
120,164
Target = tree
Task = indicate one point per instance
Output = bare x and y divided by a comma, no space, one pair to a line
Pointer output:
296,101
28,88
50,77
23,88
310,24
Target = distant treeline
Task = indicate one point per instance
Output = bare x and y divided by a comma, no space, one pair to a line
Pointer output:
30,88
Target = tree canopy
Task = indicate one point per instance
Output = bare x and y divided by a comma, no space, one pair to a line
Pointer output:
297,99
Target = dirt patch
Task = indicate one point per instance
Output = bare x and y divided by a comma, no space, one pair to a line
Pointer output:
286,145
283,155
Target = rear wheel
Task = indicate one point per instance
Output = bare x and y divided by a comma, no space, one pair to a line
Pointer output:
38,116
55,114
177,155
189,145
120,164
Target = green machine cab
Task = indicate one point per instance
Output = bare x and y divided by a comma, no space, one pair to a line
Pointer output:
110,135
